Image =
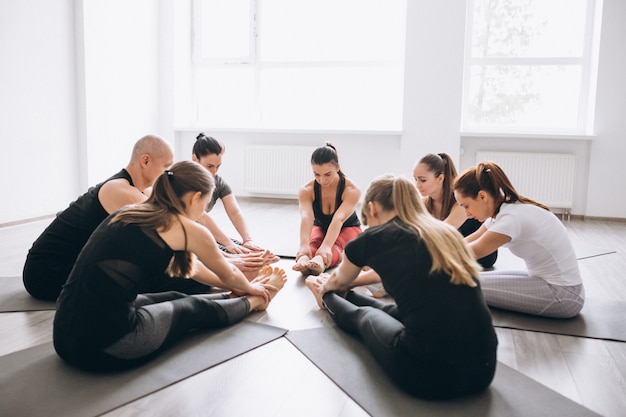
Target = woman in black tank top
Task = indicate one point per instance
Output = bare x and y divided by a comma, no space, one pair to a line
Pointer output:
327,210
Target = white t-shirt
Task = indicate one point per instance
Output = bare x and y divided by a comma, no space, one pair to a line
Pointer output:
540,239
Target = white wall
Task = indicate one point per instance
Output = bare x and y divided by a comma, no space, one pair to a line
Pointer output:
121,86
75,95
606,195
38,125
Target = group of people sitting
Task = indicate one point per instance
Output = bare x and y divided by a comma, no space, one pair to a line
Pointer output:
132,263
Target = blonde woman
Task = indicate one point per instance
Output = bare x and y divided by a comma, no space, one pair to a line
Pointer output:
437,340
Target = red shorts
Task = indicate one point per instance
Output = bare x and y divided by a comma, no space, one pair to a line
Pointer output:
345,236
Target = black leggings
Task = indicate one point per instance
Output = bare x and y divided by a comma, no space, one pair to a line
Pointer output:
378,325
161,320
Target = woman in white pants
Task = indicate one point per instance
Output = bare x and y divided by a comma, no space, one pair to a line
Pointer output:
552,285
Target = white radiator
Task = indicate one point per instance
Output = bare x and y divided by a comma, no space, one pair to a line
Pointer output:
545,177
277,170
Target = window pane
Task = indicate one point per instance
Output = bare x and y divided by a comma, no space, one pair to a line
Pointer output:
331,30
224,29
524,96
332,98
528,28
225,97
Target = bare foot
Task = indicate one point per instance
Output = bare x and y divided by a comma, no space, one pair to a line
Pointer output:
270,258
301,265
377,290
316,265
314,283
273,279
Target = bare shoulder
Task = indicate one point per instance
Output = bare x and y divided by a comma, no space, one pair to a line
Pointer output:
117,184
351,189
306,193
117,193
195,235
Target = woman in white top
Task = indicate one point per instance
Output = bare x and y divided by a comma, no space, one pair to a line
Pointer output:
552,285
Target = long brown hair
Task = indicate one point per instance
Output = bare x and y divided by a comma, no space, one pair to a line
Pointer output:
165,204
449,252
438,164
489,177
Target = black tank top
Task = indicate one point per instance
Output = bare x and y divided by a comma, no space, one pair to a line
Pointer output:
67,234
323,220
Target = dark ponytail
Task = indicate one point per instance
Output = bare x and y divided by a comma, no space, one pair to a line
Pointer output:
326,154
489,177
438,164
165,204
207,145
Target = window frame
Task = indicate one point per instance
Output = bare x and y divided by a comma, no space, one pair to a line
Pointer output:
254,62
587,63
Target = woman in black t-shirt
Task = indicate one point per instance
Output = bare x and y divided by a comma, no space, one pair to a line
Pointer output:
437,340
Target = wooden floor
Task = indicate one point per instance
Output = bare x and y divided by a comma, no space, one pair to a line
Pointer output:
276,380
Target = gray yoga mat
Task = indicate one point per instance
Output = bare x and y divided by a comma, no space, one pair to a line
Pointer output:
599,319
36,382
13,297
348,363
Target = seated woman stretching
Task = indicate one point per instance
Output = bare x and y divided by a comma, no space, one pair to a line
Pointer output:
552,285
327,210
438,340
434,175
245,254
109,315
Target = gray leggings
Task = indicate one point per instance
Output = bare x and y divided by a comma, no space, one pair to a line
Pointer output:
517,291
162,318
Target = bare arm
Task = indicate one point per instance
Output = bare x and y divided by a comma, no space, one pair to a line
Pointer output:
366,277
203,244
236,217
305,204
207,221
487,243
341,278
117,193
457,216
477,234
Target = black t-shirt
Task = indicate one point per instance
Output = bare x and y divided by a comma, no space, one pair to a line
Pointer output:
443,320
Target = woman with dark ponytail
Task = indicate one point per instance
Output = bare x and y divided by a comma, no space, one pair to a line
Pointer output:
111,315
437,341
551,286
434,176
208,152
327,212
244,253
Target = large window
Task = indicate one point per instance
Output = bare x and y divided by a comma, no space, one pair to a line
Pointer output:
299,64
530,66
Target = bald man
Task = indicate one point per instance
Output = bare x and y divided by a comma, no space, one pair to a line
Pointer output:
52,256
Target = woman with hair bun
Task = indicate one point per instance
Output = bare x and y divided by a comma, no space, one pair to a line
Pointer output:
245,254
208,152
110,314
551,286
327,210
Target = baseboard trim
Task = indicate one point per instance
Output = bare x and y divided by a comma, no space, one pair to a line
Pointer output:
25,221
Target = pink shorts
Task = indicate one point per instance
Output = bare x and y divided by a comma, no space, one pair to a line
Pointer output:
345,236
